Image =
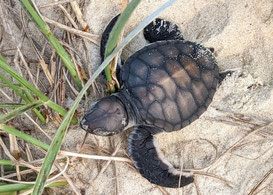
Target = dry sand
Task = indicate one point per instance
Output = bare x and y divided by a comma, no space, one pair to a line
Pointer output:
241,32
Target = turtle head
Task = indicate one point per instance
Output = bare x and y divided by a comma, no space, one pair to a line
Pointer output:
108,116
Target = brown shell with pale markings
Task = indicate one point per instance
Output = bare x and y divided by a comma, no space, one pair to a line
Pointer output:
171,83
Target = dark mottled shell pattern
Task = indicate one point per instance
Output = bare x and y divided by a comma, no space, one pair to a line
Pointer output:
171,82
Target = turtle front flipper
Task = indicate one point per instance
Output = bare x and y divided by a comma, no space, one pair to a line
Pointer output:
161,30
105,36
149,160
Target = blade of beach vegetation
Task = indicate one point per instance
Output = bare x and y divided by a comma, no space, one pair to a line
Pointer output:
12,114
17,90
18,187
114,37
44,28
5,66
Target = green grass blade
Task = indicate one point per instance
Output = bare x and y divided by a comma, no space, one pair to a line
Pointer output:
9,166
44,28
14,87
58,138
23,136
10,105
5,85
4,65
19,93
6,162
19,187
12,114
114,36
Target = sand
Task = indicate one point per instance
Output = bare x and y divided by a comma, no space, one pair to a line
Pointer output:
241,32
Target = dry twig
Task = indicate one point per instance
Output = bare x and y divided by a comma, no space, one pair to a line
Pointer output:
91,37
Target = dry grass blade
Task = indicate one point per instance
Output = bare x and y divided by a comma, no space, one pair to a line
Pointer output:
28,152
196,186
255,127
15,152
256,131
68,16
61,172
28,165
55,3
47,73
69,83
33,11
42,63
238,147
78,13
95,157
6,150
108,162
163,190
27,68
24,172
70,182
16,181
14,148
117,178
252,192
91,37
235,119
224,181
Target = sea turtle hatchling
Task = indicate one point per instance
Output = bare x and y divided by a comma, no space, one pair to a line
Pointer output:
164,87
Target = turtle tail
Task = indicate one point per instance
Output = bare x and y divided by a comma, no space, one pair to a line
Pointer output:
148,159
161,30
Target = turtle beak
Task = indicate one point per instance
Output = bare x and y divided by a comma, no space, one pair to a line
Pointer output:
84,125
96,131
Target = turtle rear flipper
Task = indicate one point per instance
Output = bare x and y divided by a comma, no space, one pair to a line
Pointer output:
149,160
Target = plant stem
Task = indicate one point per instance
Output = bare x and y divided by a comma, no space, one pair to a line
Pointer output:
114,38
53,41
15,112
23,136
19,93
18,187
5,66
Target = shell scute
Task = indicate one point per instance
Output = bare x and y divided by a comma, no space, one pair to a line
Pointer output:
179,79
